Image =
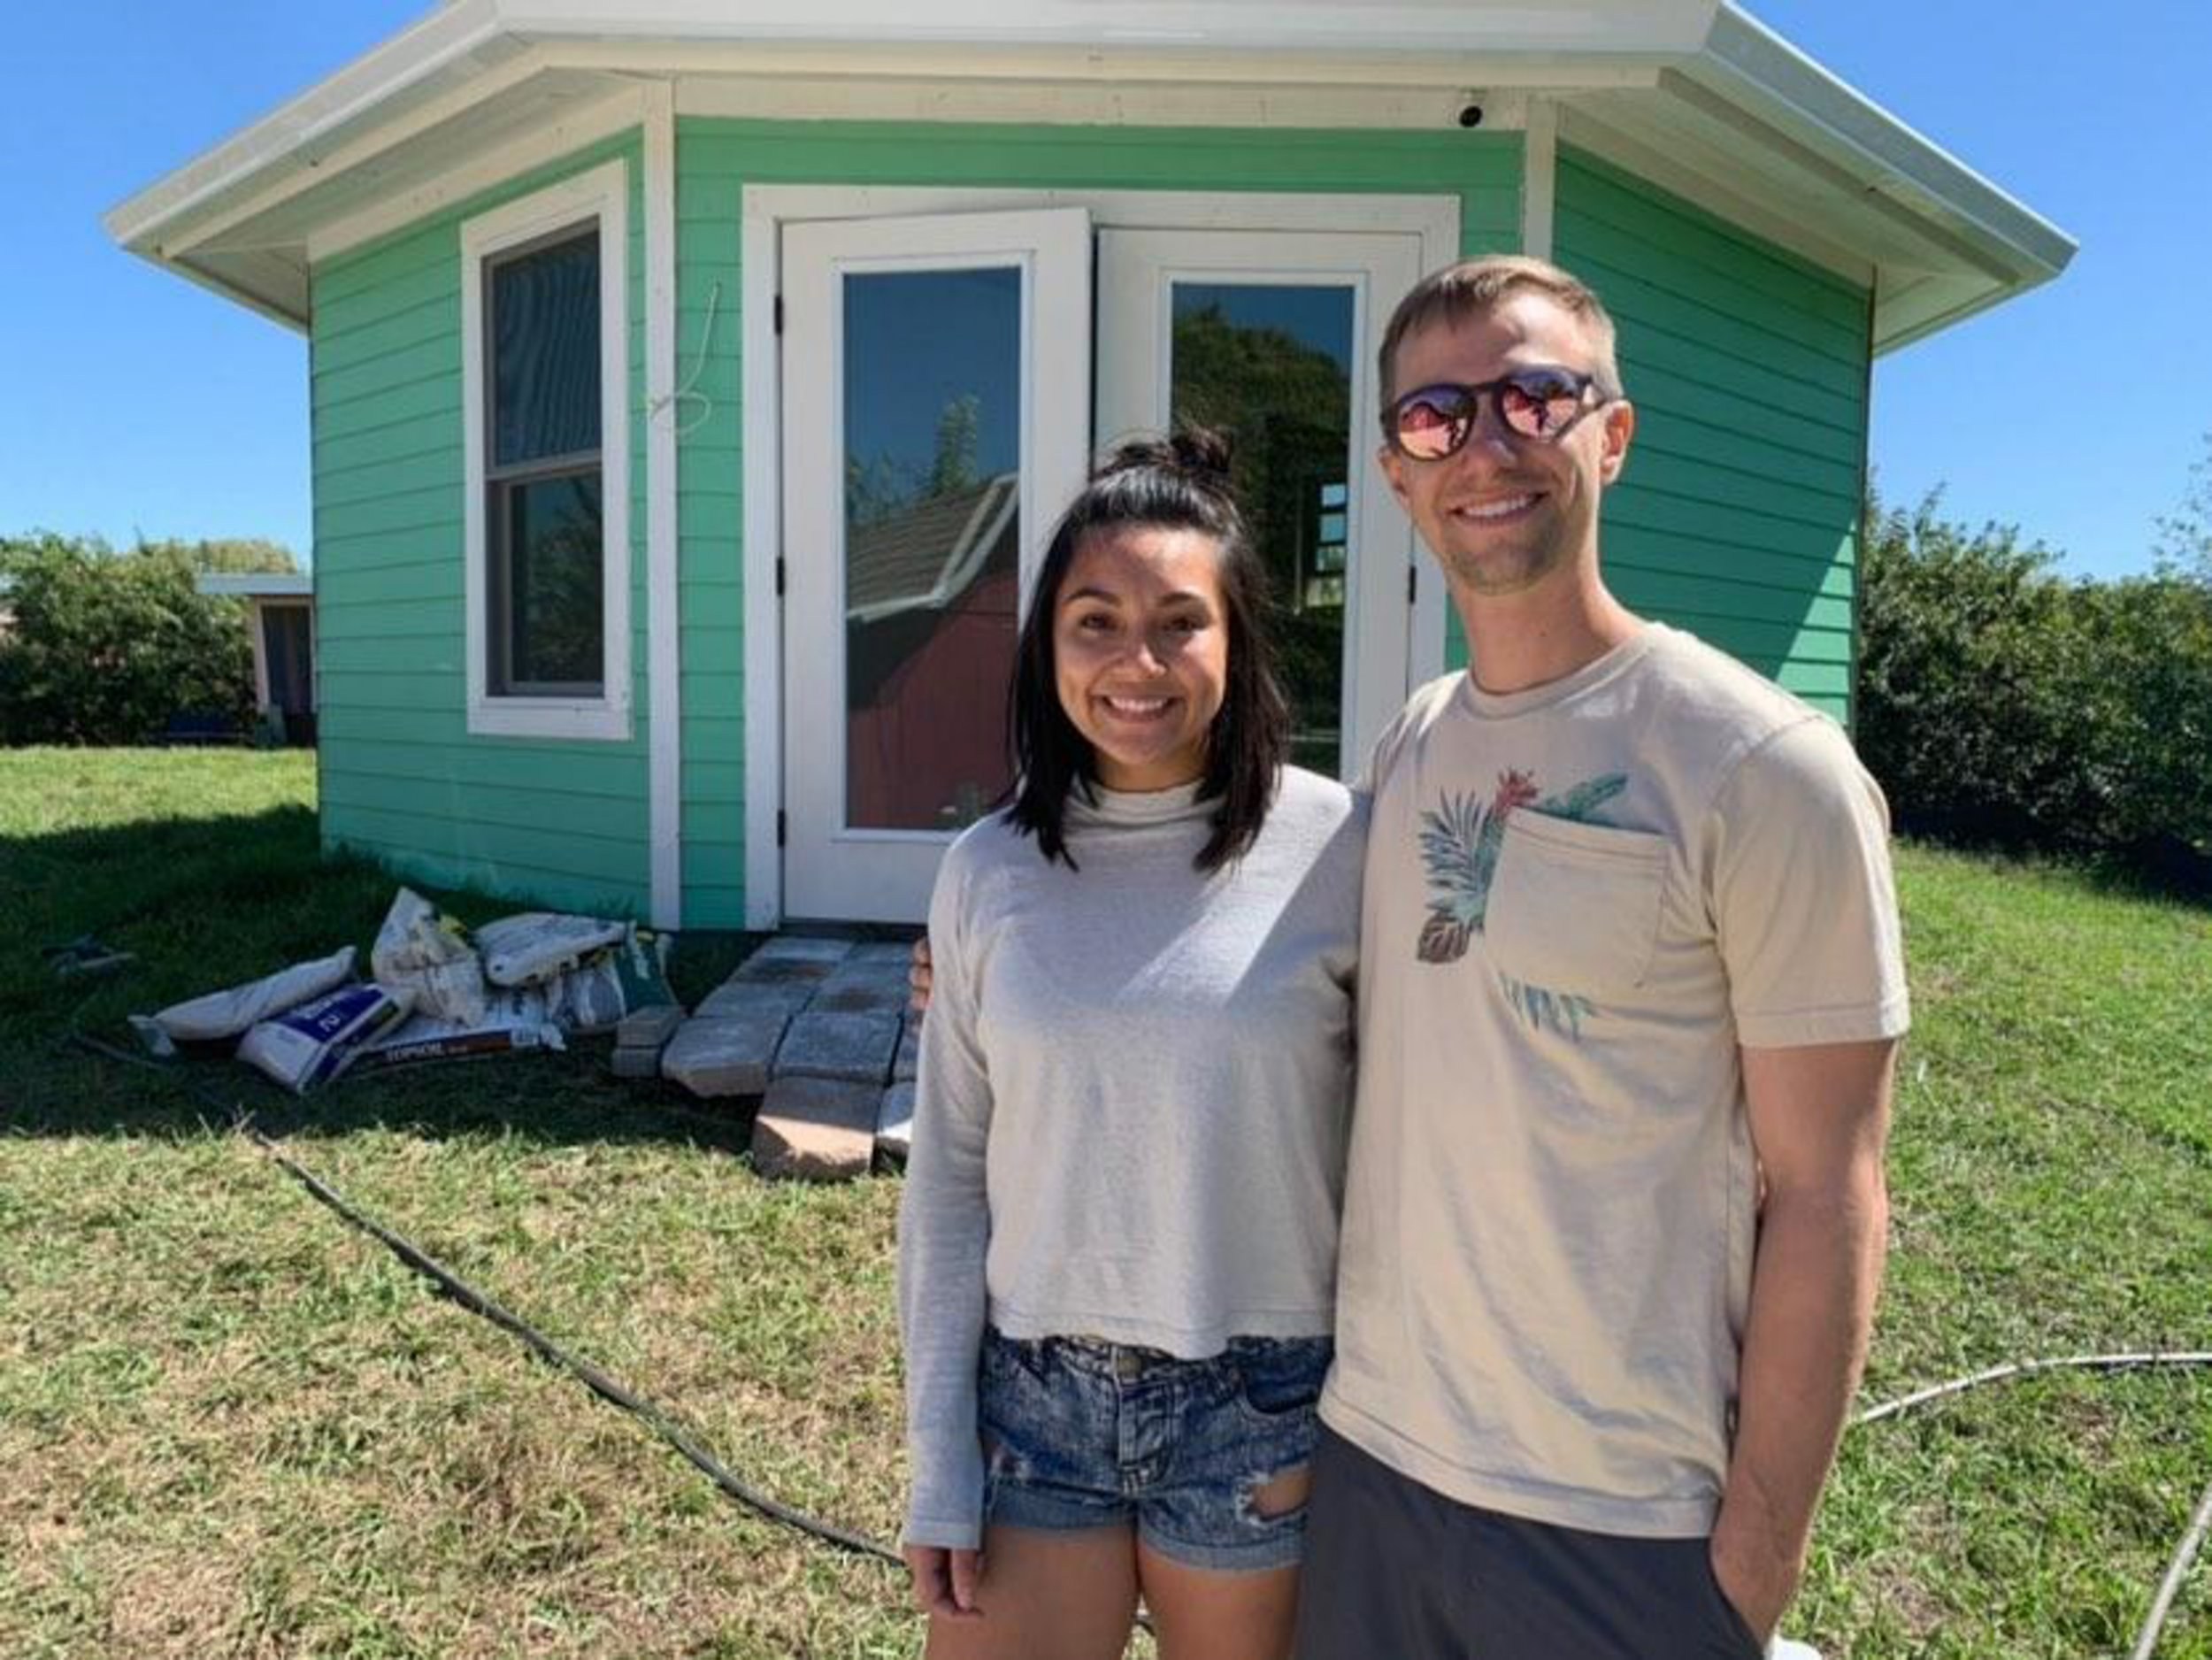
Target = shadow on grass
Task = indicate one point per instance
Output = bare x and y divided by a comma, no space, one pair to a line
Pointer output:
2164,870
205,902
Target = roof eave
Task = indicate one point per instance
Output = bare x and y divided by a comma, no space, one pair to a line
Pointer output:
1747,62
1707,51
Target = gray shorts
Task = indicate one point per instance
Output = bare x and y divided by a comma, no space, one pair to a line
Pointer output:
1394,1569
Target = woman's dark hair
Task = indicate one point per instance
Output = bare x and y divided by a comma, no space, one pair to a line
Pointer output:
1176,483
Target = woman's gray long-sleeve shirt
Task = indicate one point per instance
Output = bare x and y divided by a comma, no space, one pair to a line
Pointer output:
1135,1089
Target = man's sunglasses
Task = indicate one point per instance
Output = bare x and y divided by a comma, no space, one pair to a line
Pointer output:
1435,421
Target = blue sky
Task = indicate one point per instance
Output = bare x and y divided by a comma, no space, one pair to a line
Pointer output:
140,404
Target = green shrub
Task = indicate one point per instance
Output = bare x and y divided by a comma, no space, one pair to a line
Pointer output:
105,647
2000,703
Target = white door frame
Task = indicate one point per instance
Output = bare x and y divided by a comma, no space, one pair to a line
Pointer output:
833,869
1135,334
762,211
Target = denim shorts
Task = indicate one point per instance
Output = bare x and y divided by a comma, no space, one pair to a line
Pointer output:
1082,1433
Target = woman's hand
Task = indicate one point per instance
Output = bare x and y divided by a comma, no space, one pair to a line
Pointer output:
918,977
945,1581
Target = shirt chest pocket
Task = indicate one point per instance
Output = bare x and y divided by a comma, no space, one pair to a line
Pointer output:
1574,907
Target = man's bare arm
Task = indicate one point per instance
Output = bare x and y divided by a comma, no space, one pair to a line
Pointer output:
1820,1123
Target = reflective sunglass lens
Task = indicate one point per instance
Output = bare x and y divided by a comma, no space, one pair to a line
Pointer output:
1539,404
1428,428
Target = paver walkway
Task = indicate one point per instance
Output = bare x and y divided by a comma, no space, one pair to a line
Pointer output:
819,1029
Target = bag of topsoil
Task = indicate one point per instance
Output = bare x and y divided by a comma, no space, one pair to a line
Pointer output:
614,981
225,1014
421,951
511,1020
536,945
315,1042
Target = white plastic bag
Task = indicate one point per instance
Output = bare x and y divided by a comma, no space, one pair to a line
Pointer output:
224,1014
427,954
536,945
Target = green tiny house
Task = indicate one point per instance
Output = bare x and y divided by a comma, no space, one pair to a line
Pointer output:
694,384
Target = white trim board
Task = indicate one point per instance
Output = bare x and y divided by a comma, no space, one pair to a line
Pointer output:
664,632
762,210
1095,104
1539,178
601,194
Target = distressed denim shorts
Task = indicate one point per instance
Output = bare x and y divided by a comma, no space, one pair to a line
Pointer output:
1082,1433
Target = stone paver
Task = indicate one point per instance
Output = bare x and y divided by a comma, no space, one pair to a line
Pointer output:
725,1055
860,994
857,1048
649,1028
741,997
815,1129
794,957
894,1122
634,1063
897,953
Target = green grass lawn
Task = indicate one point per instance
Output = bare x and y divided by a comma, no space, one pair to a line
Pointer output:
230,1425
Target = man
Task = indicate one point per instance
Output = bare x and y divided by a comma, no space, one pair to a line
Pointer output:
1629,990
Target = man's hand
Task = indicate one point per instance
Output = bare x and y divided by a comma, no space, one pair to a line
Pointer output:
1759,1591
917,978
945,1581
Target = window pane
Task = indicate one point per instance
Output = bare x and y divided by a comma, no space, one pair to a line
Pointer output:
552,539
932,542
545,352
1272,363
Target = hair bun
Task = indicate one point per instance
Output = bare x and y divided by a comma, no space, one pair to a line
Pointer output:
1205,450
1201,454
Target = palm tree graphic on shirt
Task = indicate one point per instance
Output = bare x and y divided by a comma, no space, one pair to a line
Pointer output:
1459,847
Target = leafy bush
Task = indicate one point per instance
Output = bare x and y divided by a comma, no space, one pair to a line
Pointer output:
2000,703
105,647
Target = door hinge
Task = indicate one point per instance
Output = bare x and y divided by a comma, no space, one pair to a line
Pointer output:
779,313
1413,578
781,825
779,576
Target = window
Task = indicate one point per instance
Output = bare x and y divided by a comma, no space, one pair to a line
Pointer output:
545,335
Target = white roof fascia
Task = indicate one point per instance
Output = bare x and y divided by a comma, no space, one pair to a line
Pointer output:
416,54
1750,65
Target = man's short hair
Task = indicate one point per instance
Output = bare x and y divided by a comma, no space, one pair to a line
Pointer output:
1472,286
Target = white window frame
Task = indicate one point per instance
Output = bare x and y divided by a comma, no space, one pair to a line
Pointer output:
598,199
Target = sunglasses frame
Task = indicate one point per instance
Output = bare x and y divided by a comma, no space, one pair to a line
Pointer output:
1493,391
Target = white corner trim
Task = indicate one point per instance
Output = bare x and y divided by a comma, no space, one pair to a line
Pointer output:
601,194
762,357
1539,177
664,633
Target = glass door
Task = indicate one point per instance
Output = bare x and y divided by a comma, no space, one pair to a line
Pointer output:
935,392
1272,336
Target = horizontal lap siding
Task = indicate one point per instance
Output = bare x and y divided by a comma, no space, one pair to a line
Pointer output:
715,159
562,823
1738,517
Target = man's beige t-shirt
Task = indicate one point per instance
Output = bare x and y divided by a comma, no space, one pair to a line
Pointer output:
1580,900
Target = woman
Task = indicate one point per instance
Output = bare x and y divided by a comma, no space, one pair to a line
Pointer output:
1119,1233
